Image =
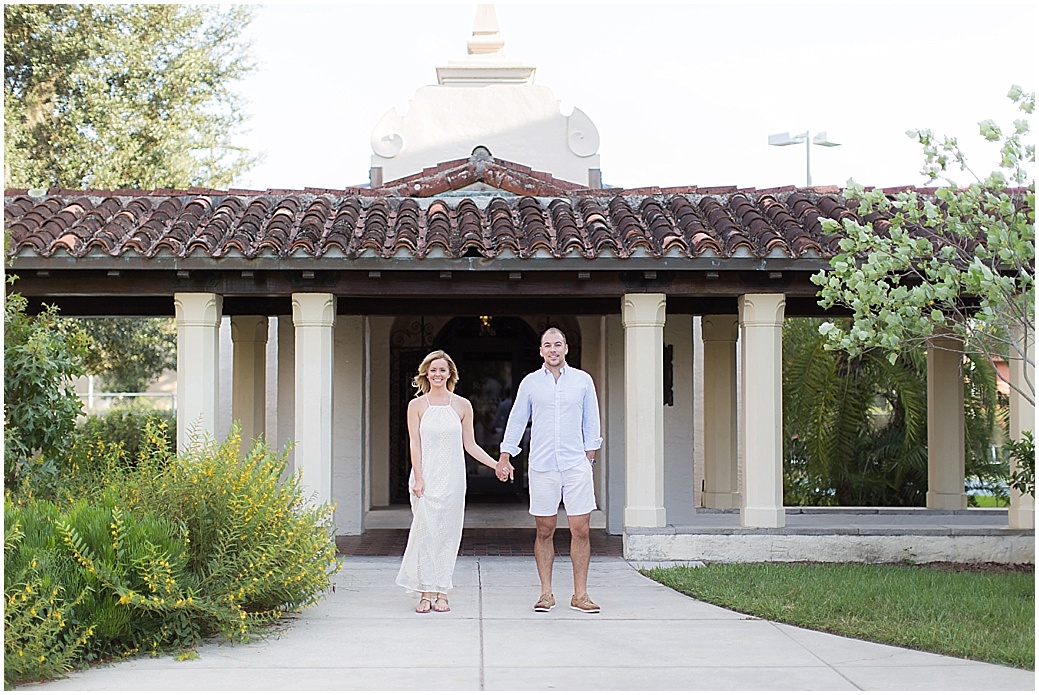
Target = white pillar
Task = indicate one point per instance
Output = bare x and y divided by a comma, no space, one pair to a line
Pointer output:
314,315
642,316
679,460
612,394
249,385
1022,418
351,408
721,471
945,424
379,366
285,430
761,374
198,363
223,415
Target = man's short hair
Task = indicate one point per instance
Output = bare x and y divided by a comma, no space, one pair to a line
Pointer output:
550,329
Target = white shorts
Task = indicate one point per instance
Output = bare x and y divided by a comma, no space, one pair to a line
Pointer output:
573,486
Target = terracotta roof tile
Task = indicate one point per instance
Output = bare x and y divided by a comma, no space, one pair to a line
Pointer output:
528,214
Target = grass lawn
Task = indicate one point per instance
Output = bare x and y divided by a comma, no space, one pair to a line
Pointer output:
990,501
983,615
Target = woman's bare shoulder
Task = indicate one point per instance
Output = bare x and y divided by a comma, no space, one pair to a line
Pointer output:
461,402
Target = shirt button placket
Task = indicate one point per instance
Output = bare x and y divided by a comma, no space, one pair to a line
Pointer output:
556,425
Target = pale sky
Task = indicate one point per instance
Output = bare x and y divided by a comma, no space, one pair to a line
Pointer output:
682,94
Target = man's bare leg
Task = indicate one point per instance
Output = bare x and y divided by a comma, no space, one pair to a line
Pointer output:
545,550
580,552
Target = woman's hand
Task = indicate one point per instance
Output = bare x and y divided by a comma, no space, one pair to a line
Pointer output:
419,488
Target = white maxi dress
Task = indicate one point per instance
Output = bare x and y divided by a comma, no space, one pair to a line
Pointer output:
436,526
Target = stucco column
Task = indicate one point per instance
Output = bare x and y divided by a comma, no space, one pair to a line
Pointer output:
285,430
679,460
721,471
249,386
313,316
945,423
198,363
351,441
612,395
761,376
1022,418
379,394
642,316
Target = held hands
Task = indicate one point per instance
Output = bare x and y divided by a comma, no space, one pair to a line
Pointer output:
419,488
504,469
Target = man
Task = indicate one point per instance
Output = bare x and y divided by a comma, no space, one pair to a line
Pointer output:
559,401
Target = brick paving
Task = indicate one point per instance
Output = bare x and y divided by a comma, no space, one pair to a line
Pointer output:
481,542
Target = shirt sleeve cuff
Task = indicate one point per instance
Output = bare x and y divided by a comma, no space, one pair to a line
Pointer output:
593,445
510,450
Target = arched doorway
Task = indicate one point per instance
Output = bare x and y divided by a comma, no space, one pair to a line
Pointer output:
493,354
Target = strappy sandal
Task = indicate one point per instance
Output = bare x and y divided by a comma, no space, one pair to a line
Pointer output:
437,601
427,601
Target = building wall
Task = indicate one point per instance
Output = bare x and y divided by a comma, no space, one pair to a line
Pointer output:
520,123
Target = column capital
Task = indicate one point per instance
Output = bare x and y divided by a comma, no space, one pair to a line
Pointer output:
643,310
249,329
762,309
945,339
313,309
720,328
197,308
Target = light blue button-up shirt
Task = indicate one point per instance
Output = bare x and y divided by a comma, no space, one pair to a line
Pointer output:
564,417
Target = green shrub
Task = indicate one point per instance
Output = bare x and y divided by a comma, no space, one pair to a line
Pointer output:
254,541
41,636
158,555
125,424
42,354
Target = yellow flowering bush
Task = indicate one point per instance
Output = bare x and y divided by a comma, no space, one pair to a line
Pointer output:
40,641
157,553
253,541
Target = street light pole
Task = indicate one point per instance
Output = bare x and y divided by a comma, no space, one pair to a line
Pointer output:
784,139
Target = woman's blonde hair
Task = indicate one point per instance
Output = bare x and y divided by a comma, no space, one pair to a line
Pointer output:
421,380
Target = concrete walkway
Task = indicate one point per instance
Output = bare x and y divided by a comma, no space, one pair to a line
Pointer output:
366,636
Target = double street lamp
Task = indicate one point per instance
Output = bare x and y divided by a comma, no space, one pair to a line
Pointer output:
784,139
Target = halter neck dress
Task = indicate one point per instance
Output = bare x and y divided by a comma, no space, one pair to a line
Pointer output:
436,526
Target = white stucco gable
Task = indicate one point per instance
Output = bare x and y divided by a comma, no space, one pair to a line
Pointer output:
486,100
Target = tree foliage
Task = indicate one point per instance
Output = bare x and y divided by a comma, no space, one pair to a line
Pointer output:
855,426
960,260
123,96
42,355
130,353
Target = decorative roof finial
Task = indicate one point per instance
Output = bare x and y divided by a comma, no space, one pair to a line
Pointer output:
485,63
486,38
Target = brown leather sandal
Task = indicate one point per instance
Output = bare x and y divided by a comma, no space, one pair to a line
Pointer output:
436,603
424,600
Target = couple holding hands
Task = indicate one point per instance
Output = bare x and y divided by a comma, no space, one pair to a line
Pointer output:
560,403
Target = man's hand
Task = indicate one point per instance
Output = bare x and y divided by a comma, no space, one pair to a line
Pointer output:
504,469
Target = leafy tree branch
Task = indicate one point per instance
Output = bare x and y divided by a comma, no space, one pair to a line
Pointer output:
959,260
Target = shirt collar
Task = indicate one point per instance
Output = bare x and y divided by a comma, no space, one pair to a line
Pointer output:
562,370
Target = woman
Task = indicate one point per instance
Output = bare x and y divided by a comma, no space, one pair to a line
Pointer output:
440,425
